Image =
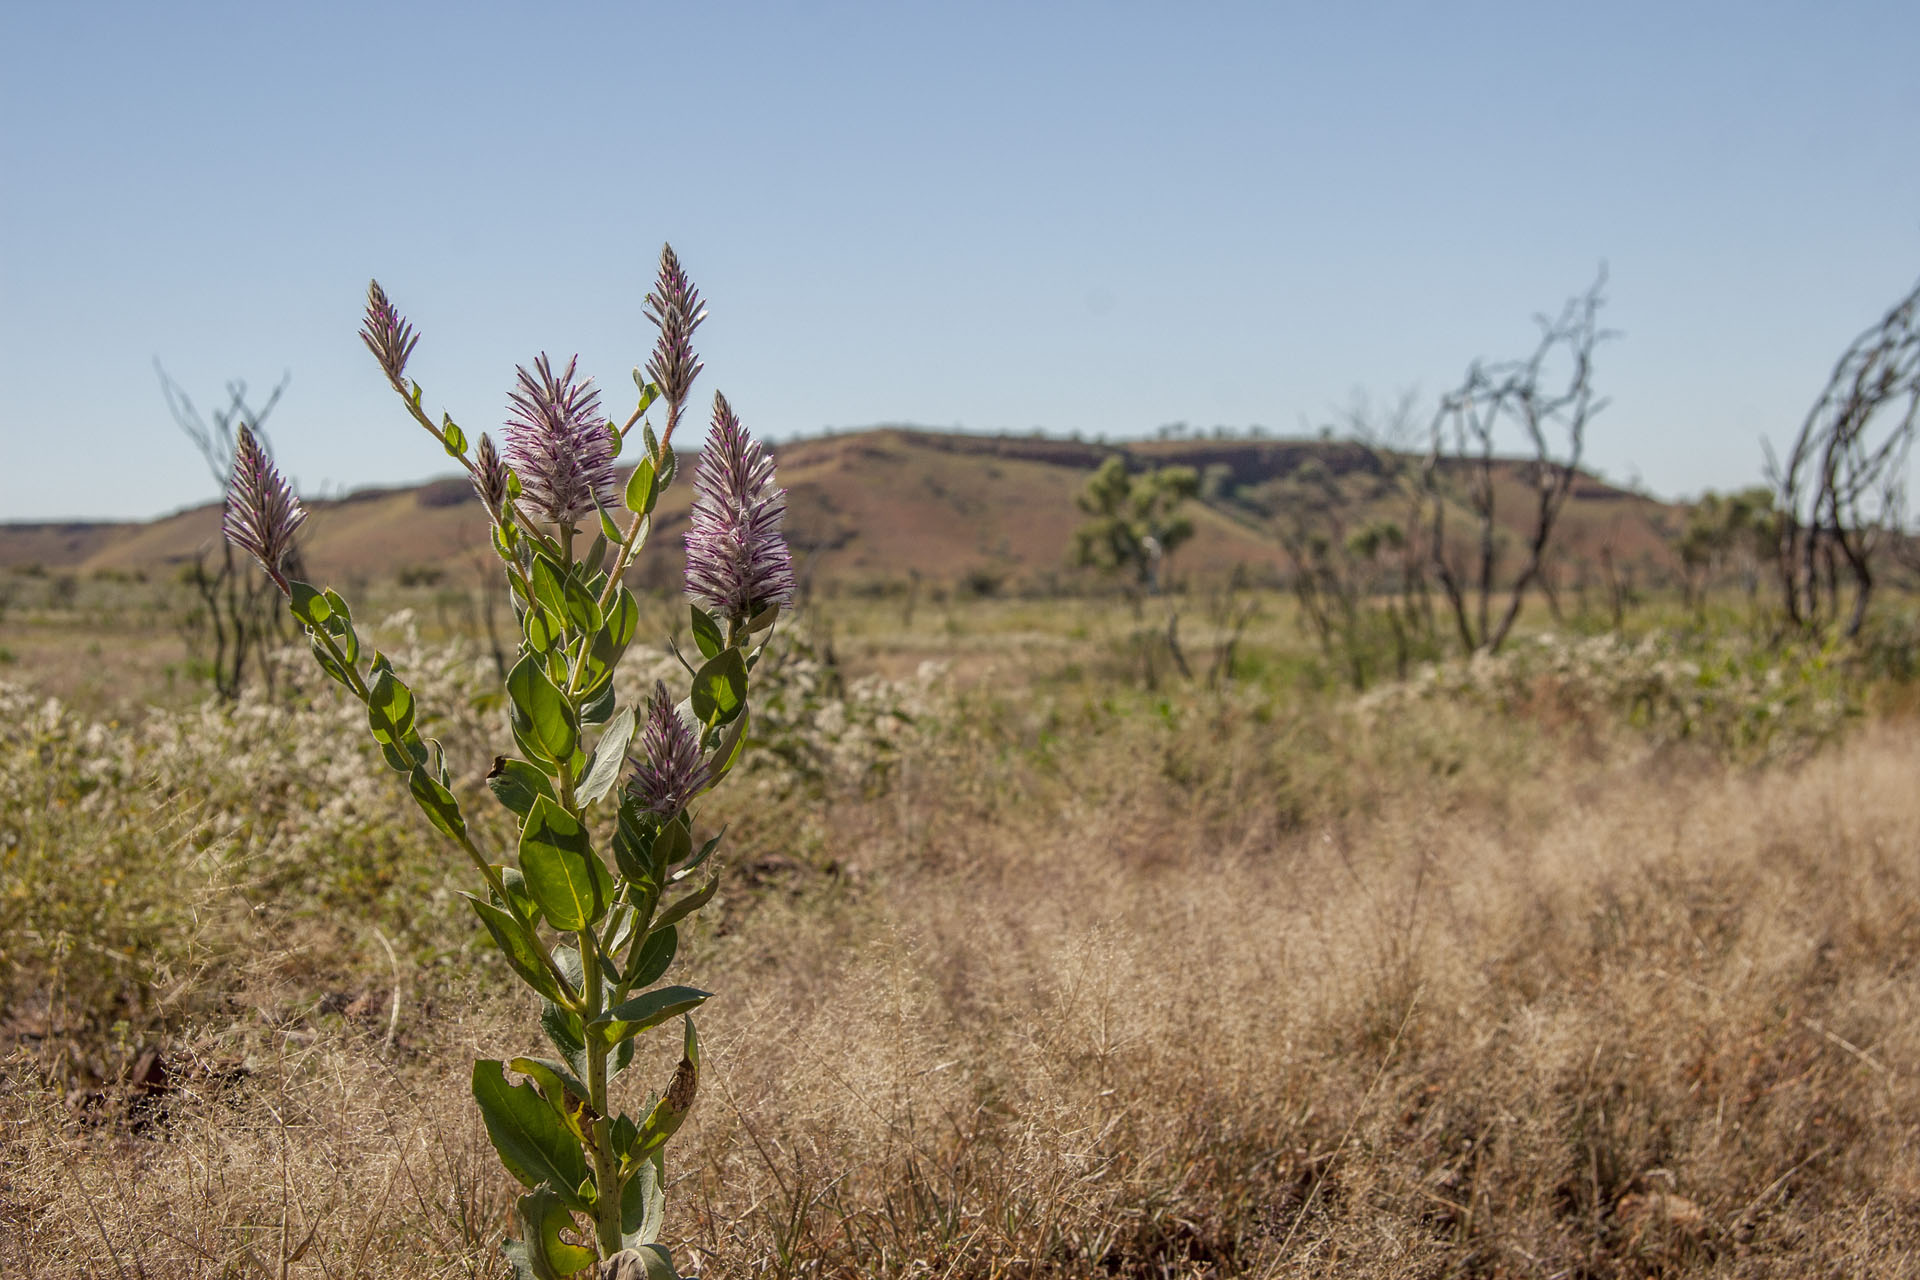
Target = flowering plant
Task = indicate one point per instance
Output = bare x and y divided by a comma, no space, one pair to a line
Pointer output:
593,940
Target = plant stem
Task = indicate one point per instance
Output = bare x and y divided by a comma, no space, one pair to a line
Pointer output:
606,1173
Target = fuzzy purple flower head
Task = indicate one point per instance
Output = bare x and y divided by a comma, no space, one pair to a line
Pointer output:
388,335
675,308
669,772
558,444
490,476
738,563
262,512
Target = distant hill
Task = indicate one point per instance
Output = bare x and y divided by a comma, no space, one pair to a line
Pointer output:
867,509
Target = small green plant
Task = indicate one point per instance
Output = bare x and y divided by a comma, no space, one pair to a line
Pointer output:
593,940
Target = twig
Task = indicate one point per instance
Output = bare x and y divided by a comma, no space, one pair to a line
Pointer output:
393,1018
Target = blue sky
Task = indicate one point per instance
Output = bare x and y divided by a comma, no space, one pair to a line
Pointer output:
1094,217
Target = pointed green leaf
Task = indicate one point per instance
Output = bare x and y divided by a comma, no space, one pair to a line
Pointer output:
654,957
720,688
516,886
565,1031
456,438
564,874
706,851
517,784
668,1114
582,609
611,640
389,708
641,491
609,755
543,1216
549,720
684,907
328,663
518,945
442,810
706,632
643,1203
308,604
650,1009
549,585
727,753
533,1144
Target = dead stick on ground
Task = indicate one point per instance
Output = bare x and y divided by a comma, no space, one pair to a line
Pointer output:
393,1018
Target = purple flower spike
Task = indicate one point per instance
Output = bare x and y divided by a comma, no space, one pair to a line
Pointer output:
674,306
387,335
669,772
490,476
737,560
262,512
559,445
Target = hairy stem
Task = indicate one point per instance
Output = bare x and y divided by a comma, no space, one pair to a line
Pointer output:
606,1172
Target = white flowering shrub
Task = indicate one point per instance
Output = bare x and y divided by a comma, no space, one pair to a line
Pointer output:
1743,698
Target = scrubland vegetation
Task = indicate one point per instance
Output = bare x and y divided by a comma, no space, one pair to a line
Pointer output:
1593,957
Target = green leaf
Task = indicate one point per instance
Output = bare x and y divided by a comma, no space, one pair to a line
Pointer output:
673,843
516,887
540,628
328,663
641,490
643,1203
563,1092
564,874
442,810
308,605
618,441
633,838
456,438
684,907
564,1029
720,688
668,1114
706,851
552,1075
550,727
340,625
655,955
609,754
405,755
728,752
517,784
549,585
649,392
389,709
616,632
598,708
706,631
649,1009
582,609
518,945
669,465
543,1216
533,1144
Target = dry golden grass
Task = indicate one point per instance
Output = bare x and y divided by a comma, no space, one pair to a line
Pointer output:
1131,1008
